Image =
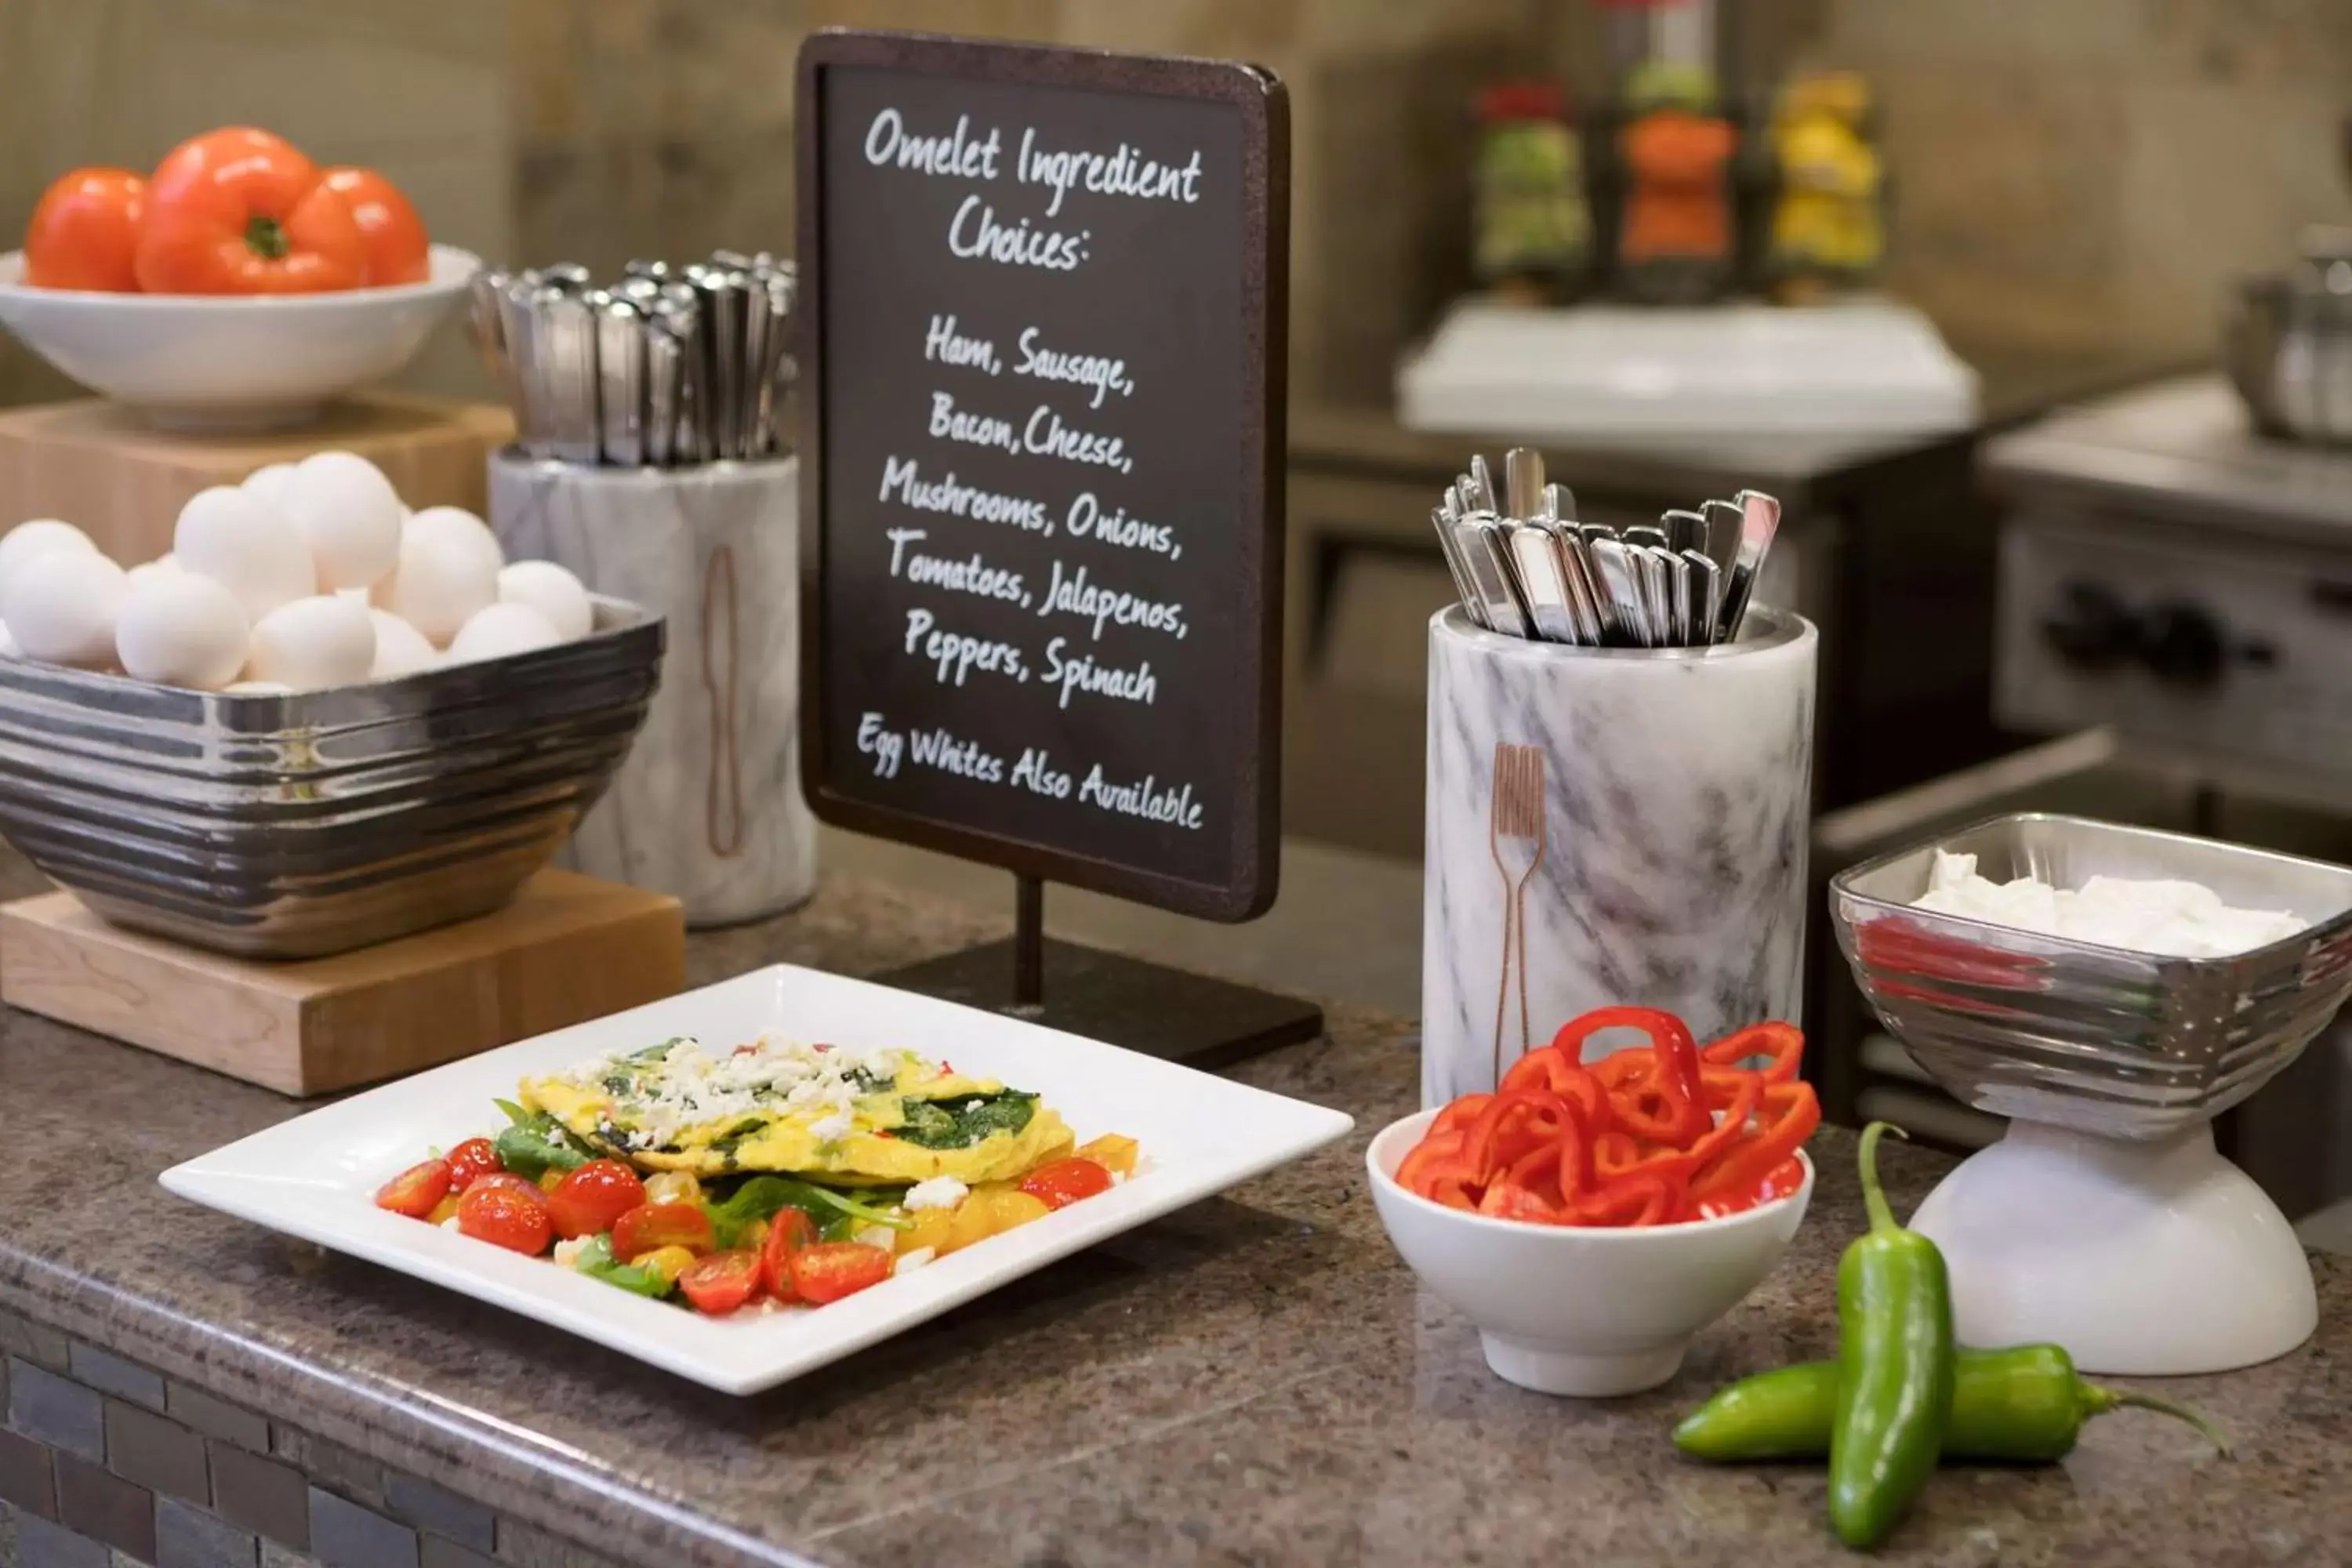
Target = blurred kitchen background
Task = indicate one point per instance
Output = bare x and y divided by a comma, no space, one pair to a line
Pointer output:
2062,569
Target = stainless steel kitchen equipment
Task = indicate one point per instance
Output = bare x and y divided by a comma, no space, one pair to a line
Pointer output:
297,826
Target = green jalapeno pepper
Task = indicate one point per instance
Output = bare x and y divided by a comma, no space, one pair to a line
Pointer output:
1894,1366
2017,1407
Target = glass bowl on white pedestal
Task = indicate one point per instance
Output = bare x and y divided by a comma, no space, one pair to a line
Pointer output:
2105,1221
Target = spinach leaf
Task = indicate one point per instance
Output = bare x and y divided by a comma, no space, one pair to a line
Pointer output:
536,1144
763,1198
960,1123
726,1142
596,1261
871,1082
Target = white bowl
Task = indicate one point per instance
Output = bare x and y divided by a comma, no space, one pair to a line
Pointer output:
218,362
1564,1309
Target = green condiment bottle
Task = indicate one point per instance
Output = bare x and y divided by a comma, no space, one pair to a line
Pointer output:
1895,1361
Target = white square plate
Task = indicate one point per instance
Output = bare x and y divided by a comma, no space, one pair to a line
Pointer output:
316,1176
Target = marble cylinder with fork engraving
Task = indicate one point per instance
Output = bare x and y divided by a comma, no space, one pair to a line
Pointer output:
708,805
1610,827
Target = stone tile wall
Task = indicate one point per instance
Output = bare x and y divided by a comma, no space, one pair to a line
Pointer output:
106,1463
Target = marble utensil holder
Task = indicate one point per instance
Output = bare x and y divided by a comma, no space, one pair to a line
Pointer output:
1609,826
709,807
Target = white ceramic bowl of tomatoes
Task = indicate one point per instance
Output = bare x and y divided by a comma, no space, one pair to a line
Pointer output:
240,286
1587,1311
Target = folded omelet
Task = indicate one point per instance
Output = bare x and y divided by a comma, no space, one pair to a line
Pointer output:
876,1118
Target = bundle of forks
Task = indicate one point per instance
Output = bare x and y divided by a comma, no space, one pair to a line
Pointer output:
1526,567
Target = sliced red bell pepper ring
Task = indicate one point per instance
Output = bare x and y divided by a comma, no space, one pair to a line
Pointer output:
1458,1116
1508,1200
1787,1115
1514,1124
1564,1076
1782,1044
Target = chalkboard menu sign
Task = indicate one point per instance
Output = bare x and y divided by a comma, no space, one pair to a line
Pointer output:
1041,505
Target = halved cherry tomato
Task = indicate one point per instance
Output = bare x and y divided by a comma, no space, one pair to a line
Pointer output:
503,1216
239,211
591,1199
474,1157
721,1282
85,233
1064,1182
510,1181
414,1191
397,248
651,1225
791,1230
832,1269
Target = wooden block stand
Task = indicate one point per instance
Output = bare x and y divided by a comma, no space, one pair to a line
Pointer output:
568,948
121,482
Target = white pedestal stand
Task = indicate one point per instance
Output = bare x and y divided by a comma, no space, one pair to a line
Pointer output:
2148,1259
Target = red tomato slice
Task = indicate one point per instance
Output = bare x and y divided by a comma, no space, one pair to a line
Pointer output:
414,1191
1063,1182
832,1269
787,1233
722,1281
593,1198
474,1157
649,1226
504,1218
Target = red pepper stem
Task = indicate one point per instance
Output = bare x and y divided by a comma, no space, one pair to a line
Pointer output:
1874,1196
266,236
2097,1401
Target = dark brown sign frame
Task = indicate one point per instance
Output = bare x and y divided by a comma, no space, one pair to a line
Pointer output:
1255,696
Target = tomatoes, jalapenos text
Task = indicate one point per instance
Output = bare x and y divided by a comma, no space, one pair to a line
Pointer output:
1064,1182
831,1270
414,1191
721,1282
652,1226
512,1217
591,1199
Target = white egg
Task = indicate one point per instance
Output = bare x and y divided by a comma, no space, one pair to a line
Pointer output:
459,526
553,592
399,648
61,606
268,482
313,642
350,514
500,630
38,537
258,688
176,628
248,547
441,582
165,565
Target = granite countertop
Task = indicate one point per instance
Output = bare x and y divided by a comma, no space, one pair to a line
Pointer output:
1254,1380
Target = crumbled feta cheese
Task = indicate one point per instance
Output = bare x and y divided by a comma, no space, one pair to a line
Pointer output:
910,1261
695,1089
1119,1178
939,1193
567,1253
882,1235
450,1224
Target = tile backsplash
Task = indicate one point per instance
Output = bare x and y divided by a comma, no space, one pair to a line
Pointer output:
2092,172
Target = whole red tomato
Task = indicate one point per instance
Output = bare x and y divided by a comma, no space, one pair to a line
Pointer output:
241,212
474,1157
397,246
85,233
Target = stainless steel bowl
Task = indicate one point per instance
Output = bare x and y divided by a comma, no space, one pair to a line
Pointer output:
299,825
2127,1045
2287,343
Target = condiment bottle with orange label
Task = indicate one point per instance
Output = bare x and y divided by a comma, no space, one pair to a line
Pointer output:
1676,238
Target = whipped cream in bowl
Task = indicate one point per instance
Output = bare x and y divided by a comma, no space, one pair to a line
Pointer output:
2169,918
